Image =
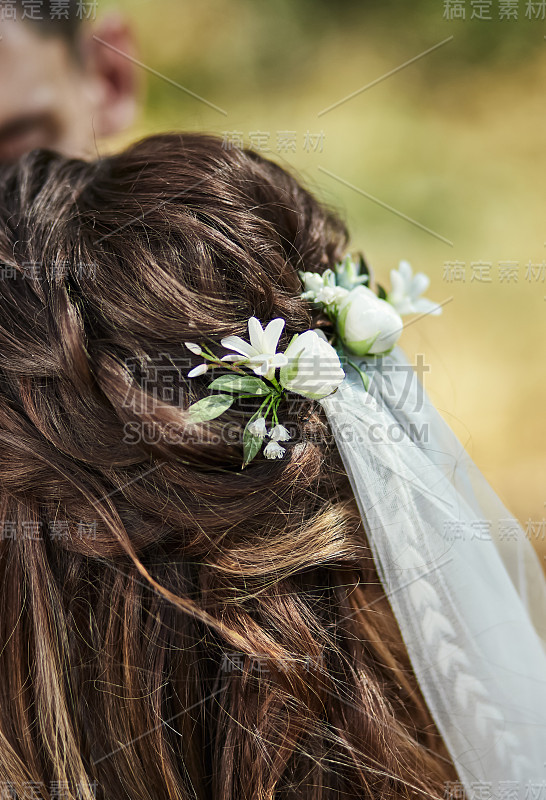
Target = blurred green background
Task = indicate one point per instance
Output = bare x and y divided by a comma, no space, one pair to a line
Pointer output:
454,141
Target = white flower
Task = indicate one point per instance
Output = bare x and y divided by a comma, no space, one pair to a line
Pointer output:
367,324
194,348
348,274
274,450
406,290
257,427
331,295
322,288
313,369
261,354
199,370
313,282
279,434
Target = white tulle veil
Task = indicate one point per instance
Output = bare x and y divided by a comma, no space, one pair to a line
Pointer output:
464,581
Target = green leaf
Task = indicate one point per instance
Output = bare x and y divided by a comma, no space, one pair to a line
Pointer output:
381,293
251,445
242,384
364,269
290,370
210,407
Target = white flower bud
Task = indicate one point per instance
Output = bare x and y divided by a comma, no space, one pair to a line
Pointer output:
367,324
313,282
313,369
199,370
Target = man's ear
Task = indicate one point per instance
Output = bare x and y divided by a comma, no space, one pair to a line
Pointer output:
108,48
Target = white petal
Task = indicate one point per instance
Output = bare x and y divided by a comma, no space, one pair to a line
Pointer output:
258,427
256,334
419,284
274,450
259,358
194,348
293,347
199,370
424,306
238,344
406,272
272,334
398,285
279,434
278,360
401,303
331,295
312,282
233,357
260,364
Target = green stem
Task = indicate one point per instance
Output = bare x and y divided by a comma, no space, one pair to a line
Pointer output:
224,364
277,385
365,379
207,353
258,413
266,402
247,396
275,407
271,400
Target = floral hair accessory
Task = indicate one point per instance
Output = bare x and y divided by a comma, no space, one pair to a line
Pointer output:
367,322
310,367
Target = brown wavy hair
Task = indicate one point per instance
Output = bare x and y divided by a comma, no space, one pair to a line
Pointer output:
171,625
